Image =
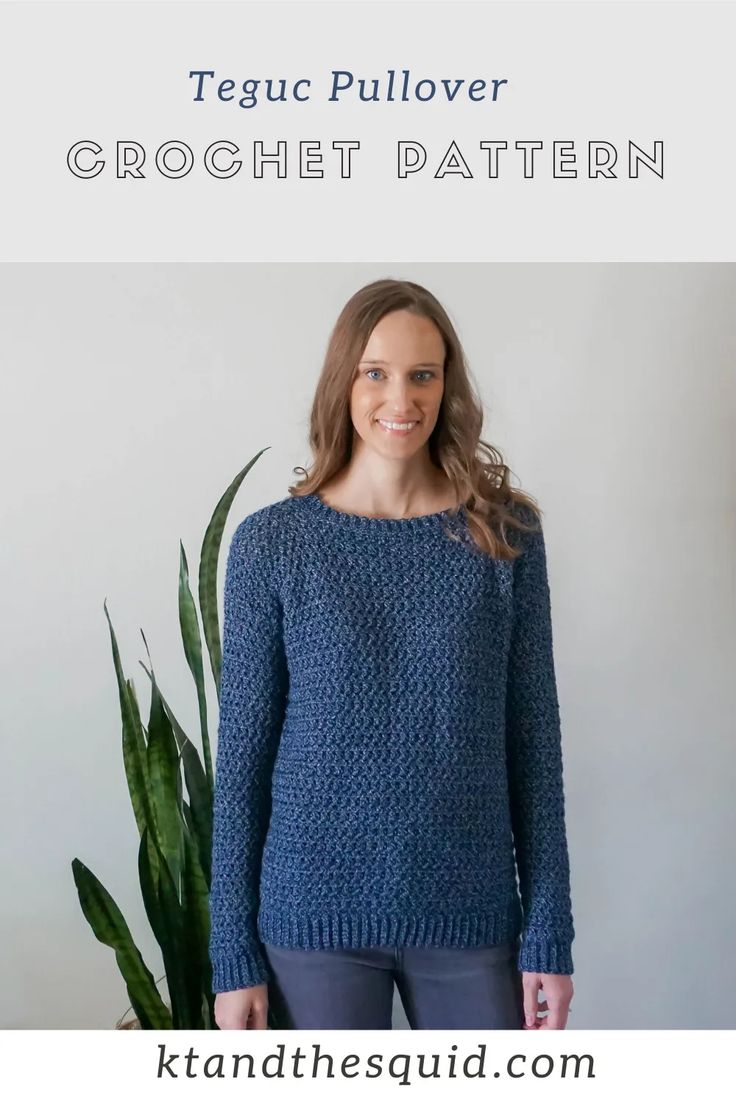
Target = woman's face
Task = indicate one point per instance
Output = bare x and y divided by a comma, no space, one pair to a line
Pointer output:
400,378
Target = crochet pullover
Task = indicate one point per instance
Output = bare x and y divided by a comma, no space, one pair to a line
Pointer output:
389,751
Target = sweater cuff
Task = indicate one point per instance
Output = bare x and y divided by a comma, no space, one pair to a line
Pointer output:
540,954
239,971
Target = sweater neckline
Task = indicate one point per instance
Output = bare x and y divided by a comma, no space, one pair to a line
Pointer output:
364,520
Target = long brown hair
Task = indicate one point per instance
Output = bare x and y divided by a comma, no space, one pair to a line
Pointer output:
481,482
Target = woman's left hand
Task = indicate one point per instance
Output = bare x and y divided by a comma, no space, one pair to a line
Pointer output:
558,990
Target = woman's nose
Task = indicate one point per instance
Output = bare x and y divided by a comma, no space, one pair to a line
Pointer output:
399,399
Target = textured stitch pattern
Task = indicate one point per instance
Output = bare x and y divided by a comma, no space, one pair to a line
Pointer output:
389,762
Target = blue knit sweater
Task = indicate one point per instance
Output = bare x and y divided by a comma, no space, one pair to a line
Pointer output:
389,751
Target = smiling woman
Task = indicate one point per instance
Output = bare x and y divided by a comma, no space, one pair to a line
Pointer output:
400,377
389,746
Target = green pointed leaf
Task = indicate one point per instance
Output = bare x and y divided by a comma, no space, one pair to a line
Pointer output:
198,788
135,707
196,905
208,560
188,819
183,981
148,876
134,743
108,925
165,786
192,640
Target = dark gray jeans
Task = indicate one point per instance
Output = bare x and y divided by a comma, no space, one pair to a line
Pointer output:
440,987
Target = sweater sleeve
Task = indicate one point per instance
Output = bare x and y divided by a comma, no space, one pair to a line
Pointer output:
534,759
253,690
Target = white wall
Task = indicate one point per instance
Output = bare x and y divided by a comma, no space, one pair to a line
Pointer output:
132,394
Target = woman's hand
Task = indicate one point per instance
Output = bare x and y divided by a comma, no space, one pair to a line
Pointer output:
242,1009
558,990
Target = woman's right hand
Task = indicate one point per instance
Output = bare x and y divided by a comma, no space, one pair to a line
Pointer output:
242,1009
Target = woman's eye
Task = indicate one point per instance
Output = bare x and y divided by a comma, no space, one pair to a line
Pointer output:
426,375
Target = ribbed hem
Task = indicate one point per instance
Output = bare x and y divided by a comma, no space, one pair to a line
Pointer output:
239,971
540,954
283,928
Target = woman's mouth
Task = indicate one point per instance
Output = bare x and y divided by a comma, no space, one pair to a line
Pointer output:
398,429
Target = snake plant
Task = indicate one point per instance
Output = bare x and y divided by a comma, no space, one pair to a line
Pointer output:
171,792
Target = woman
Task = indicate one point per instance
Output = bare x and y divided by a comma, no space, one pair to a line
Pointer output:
389,754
